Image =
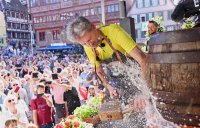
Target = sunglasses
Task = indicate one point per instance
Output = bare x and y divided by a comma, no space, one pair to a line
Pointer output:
10,100
15,84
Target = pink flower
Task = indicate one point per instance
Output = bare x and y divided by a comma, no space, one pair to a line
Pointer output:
59,126
67,123
71,117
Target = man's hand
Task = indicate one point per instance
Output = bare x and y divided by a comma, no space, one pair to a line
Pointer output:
112,91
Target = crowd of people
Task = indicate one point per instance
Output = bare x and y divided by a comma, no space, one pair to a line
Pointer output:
39,90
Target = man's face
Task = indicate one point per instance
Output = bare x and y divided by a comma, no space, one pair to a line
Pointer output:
151,28
40,90
89,39
91,91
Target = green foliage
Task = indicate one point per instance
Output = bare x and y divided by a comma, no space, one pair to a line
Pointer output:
91,109
188,24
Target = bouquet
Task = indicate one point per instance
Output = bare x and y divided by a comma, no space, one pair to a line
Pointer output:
73,122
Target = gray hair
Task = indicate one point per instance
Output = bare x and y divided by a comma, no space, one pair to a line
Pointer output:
77,28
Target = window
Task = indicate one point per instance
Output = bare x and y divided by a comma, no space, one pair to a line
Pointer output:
92,11
109,9
99,10
140,4
8,13
56,34
155,2
143,33
160,14
13,14
9,24
9,34
112,8
34,3
22,16
162,2
42,2
135,18
150,16
86,12
18,35
13,35
17,15
143,19
169,13
41,36
116,7
147,3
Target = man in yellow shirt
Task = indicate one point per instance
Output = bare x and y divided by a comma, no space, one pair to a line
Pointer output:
102,44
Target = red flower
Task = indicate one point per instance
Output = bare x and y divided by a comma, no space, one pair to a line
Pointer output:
71,117
76,124
103,99
67,123
59,126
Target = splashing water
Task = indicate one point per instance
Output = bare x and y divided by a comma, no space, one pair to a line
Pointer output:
131,85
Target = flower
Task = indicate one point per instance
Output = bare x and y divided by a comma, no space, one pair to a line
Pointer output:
67,123
59,126
71,117
76,124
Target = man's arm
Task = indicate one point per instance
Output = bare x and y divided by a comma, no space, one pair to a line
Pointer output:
35,117
103,77
140,57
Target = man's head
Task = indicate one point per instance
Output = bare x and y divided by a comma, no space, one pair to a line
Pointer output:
11,123
91,90
152,27
83,31
40,88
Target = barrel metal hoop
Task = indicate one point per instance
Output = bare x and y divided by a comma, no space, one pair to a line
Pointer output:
175,58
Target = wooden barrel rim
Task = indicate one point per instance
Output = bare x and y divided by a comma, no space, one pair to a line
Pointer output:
175,58
178,36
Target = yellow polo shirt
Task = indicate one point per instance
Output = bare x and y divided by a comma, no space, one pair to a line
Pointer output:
120,40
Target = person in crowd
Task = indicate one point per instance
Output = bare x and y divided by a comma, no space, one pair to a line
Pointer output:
84,75
104,45
11,123
12,111
18,90
71,97
76,82
41,106
57,92
26,85
2,95
91,92
152,28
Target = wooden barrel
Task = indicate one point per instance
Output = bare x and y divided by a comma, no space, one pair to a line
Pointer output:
173,75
